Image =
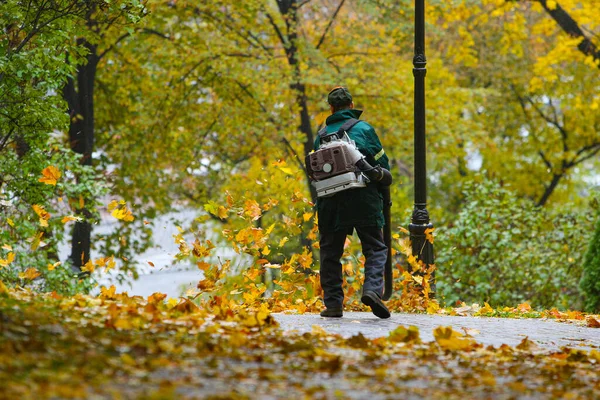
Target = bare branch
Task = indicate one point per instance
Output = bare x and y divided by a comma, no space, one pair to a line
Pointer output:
277,30
330,23
551,121
6,137
572,28
593,149
546,161
360,53
126,35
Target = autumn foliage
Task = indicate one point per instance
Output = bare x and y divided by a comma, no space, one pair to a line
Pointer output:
115,345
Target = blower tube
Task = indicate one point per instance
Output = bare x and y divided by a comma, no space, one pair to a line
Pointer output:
384,178
375,174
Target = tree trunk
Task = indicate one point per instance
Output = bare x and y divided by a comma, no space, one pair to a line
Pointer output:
288,9
549,189
572,28
80,99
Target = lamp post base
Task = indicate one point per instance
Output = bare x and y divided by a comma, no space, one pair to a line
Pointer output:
422,248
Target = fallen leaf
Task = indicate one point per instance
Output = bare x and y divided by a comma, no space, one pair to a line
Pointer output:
527,345
592,322
50,175
30,274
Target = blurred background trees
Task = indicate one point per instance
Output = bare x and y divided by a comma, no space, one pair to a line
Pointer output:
203,105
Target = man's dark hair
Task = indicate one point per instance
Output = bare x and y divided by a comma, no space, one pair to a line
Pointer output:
339,98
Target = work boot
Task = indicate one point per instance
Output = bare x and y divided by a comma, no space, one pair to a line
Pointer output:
371,299
333,312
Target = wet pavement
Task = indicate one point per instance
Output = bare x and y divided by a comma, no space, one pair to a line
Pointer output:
547,334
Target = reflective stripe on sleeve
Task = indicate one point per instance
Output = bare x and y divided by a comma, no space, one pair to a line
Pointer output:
378,155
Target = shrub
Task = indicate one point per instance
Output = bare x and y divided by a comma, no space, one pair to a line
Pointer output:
503,250
33,216
590,281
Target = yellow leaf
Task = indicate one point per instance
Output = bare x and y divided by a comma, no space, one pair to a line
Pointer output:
69,218
270,229
318,331
9,259
10,222
449,339
30,273
156,298
51,267
222,212
36,240
265,251
307,216
123,323
172,302
110,264
283,241
321,117
429,235
524,307
112,205
121,211
486,309
252,274
272,203
216,210
238,339
433,307
50,175
42,213
287,170
527,345
252,209
406,247
89,267
289,270
109,293
263,313
402,334
204,266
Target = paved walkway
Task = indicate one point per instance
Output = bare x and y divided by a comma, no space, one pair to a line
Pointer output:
548,334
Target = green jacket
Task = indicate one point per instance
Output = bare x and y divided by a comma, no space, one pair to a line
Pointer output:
354,207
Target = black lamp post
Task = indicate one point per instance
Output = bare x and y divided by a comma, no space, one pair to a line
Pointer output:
421,247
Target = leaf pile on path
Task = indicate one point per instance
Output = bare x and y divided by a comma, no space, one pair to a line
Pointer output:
117,346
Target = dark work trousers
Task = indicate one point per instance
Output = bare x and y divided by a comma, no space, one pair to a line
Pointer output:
332,248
